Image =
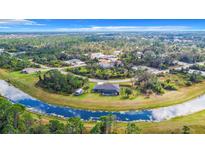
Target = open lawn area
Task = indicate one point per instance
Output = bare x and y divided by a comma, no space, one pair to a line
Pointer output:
26,82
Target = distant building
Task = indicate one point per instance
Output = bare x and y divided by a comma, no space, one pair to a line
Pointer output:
74,62
107,89
117,53
146,68
109,57
1,51
139,55
119,63
78,92
97,55
30,70
106,63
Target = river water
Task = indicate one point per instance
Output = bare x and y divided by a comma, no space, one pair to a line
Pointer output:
164,113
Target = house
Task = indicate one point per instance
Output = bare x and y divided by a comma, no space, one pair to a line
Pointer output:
107,89
97,55
78,92
139,55
117,53
106,63
149,69
30,70
74,62
119,63
109,57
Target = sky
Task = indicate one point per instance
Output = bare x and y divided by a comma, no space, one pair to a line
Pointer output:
92,25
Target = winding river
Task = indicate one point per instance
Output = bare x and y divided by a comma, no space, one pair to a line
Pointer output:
17,96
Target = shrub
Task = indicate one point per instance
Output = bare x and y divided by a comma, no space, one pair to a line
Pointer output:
126,92
169,86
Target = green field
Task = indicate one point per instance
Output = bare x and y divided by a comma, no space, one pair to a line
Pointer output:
26,82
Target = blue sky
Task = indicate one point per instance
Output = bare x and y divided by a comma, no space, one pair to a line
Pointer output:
90,25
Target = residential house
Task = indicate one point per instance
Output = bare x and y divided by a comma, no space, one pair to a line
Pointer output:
149,69
139,55
30,70
107,89
74,62
103,63
117,53
97,56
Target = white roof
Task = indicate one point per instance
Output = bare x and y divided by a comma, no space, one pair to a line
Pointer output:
117,52
79,90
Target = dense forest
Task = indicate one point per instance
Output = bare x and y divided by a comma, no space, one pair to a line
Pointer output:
137,48
13,63
55,81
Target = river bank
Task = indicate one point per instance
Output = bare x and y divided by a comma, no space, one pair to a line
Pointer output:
26,82
160,114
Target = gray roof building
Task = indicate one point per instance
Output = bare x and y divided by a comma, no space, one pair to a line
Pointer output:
107,89
30,70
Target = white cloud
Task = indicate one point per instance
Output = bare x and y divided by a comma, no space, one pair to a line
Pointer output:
128,28
186,108
18,22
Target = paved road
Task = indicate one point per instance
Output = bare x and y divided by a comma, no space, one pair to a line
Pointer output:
111,81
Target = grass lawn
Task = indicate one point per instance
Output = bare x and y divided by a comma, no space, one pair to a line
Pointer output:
26,82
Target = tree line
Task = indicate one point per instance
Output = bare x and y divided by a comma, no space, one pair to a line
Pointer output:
13,63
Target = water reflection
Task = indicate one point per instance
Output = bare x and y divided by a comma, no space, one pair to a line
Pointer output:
17,96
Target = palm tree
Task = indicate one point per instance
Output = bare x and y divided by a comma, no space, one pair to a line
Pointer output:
15,111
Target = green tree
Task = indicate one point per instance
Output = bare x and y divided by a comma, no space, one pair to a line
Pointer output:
185,130
74,126
97,129
15,112
56,127
55,81
133,129
40,129
195,77
126,92
108,124
28,122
